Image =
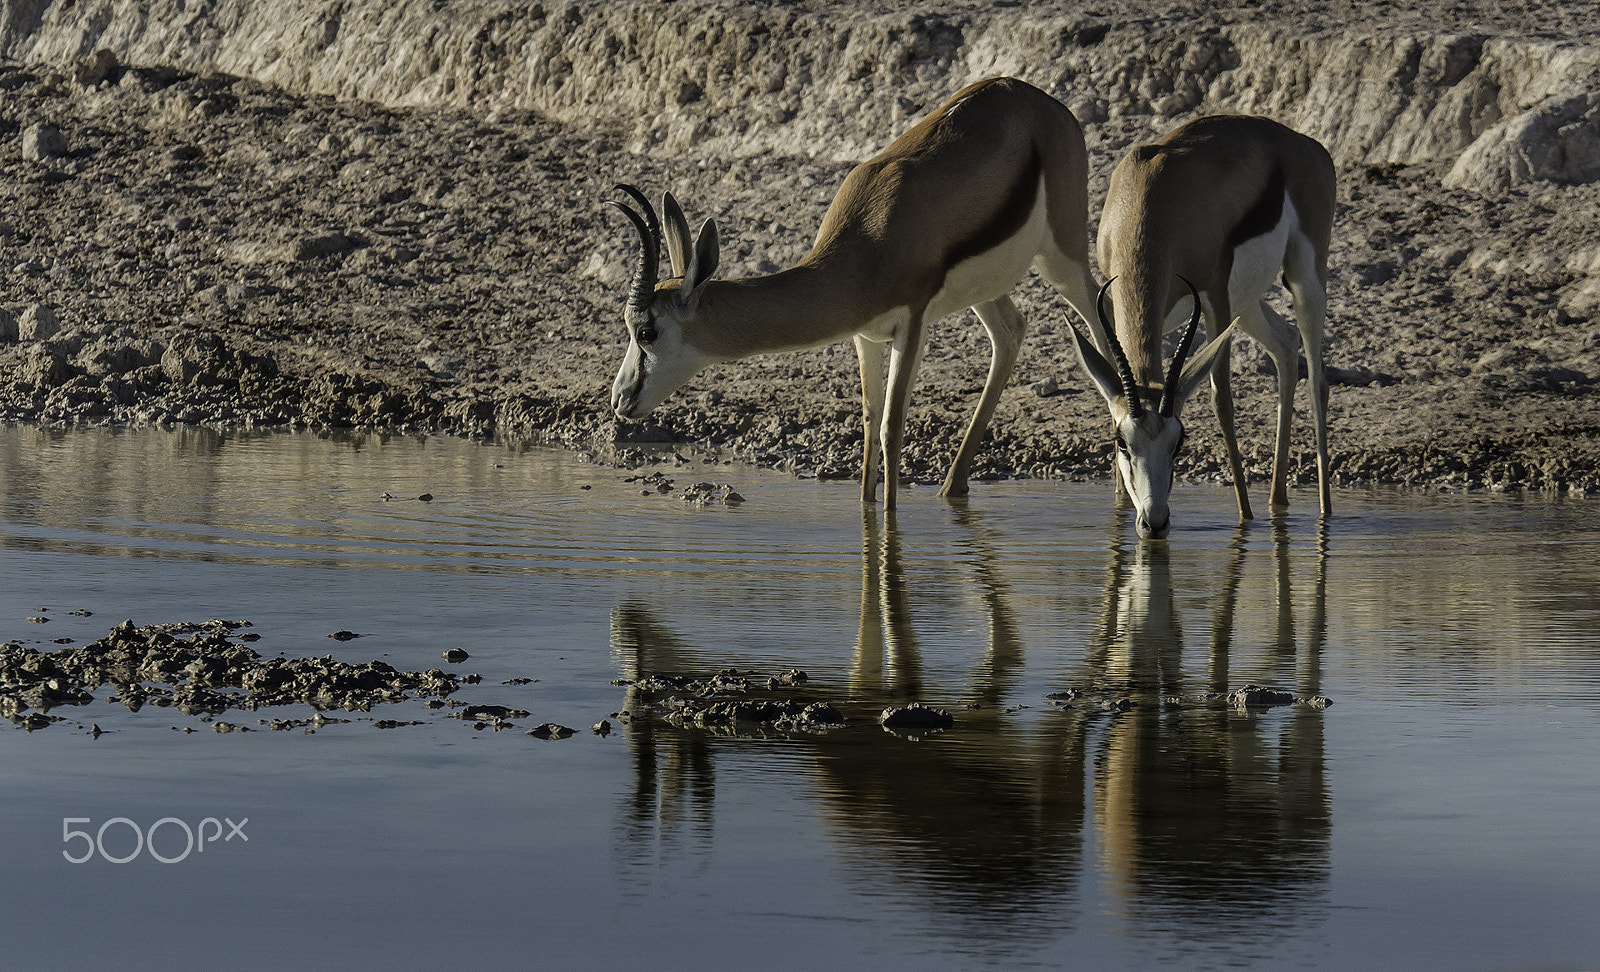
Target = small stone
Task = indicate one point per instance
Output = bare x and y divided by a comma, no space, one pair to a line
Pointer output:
1045,387
456,656
99,66
37,323
489,713
1255,695
916,716
342,635
550,731
40,142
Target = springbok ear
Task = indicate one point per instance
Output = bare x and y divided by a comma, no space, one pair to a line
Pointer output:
703,264
1199,365
1101,372
677,233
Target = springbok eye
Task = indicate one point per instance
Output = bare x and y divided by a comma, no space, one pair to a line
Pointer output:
646,334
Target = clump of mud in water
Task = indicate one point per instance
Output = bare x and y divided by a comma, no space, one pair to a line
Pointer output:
200,669
688,701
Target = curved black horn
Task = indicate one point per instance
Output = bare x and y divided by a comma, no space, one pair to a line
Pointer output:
645,208
1130,387
644,274
1169,394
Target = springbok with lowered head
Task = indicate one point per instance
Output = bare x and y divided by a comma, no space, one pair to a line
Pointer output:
950,215
1214,211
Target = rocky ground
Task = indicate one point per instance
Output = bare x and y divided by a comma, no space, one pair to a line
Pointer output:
185,246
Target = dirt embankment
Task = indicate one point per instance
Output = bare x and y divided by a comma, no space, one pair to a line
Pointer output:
389,213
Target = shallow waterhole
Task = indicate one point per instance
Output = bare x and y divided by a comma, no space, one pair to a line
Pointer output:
1439,813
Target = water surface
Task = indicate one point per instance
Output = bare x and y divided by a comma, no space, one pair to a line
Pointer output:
1439,814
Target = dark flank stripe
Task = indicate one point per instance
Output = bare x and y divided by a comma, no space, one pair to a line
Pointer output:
1263,214
1008,220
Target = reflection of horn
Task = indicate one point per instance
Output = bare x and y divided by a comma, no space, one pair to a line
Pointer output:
674,772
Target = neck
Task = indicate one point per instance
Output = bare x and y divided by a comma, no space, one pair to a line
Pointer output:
807,306
1141,323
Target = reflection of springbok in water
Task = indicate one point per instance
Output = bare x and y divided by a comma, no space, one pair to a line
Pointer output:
1201,804
1195,810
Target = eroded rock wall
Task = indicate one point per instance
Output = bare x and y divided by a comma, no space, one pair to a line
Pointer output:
717,78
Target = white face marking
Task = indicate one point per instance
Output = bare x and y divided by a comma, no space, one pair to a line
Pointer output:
655,368
1146,449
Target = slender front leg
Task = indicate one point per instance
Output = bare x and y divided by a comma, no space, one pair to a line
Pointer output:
905,357
1006,329
870,355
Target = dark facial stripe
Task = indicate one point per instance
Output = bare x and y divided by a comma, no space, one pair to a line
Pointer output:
1263,214
1008,219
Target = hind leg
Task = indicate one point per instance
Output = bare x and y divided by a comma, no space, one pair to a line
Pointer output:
1263,323
1006,329
1311,314
870,356
905,359
1071,278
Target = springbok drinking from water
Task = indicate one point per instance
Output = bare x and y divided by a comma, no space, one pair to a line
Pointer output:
950,215
1214,211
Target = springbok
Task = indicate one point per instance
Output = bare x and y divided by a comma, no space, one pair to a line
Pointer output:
1213,211
950,215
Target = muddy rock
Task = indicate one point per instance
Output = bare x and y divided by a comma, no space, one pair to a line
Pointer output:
1254,696
816,717
480,712
98,67
37,322
702,702
41,142
550,730
200,669
917,715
